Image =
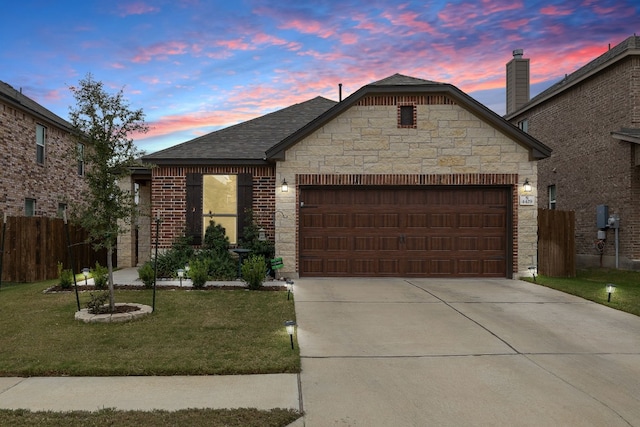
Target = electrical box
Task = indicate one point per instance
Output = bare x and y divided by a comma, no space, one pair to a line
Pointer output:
602,235
602,216
614,221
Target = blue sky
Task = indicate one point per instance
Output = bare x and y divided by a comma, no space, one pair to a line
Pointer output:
195,66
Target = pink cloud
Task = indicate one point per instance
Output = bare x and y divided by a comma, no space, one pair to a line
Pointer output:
117,65
237,44
515,24
136,8
160,51
556,11
317,28
410,20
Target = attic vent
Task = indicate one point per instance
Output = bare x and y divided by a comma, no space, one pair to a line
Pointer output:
406,116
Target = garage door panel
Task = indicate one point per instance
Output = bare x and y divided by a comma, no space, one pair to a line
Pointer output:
419,243
365,243
414,231
391,243
417,220
311,220
337,243
364,220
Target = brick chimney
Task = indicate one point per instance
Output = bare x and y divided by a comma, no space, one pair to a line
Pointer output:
517,81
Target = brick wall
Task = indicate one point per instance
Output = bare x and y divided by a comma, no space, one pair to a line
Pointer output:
54,182
589,167
449,144
168,187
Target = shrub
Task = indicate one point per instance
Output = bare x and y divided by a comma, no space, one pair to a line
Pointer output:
199,272
251,238
99,274
65,277
147,274
98,303
254,271
215,238
170,261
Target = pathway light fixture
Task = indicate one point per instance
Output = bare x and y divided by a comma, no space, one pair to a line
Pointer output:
180,275
85,272
611,288
290,326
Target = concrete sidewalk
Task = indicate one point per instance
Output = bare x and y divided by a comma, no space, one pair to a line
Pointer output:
169,393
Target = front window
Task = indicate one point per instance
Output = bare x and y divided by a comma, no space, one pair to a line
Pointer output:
41,137
552,196
29,207
220,203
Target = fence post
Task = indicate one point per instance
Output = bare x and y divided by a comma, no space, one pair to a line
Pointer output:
4,229
73,273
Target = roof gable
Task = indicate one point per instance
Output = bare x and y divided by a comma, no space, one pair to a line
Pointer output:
400,84
245,142
23,102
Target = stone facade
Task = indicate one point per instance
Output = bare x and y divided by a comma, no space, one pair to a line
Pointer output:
448,145
55,182
588,167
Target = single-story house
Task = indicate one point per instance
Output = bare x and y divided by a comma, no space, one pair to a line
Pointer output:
405,177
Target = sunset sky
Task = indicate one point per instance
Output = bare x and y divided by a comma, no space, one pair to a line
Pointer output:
195,66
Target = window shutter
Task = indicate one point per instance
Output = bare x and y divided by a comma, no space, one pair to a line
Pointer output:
245,200
194,208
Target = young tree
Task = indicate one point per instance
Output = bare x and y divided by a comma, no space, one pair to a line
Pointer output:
104,123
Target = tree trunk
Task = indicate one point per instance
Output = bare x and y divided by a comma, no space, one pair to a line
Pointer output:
112,300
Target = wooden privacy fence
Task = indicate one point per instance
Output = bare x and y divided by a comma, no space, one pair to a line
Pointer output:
556,243
33,247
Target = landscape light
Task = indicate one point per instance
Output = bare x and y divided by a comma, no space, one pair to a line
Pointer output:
611,288
180,275
290,326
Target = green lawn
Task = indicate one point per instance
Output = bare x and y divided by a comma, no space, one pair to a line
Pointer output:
198,332
590,284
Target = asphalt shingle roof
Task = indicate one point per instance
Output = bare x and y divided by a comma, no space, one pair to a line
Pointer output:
19,100
247,141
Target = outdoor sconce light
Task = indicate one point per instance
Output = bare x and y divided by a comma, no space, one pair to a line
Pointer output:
527,186
290,325
611,288
534,271
262,235
285,186
85,271
180,275
289,288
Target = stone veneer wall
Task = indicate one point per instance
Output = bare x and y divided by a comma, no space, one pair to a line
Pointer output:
449,145
54,182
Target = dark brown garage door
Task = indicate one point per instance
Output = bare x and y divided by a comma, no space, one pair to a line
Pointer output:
415,231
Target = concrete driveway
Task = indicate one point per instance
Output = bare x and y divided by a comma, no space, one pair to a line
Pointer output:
463,352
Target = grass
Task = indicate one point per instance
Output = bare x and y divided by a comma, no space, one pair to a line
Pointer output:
190,417
590,284
197,332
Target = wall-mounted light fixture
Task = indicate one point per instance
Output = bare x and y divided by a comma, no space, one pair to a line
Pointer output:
262,234
527,186
285,186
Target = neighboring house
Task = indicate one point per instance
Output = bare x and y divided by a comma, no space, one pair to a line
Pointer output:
40,175
405,177
591,120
